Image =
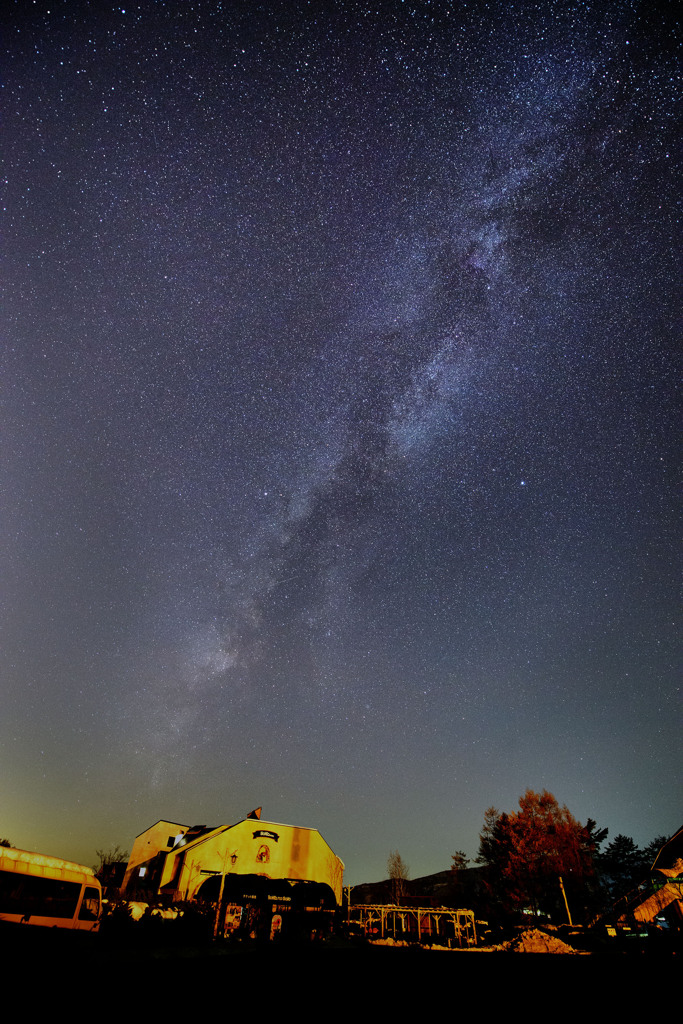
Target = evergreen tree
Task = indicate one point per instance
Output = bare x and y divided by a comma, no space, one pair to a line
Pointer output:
622,866
460,861
652,849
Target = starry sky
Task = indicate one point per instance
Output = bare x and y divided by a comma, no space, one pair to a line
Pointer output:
339,419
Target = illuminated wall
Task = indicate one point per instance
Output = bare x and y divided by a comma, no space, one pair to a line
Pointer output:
253,847
144,867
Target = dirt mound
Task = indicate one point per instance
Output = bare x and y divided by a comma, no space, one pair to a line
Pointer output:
535,941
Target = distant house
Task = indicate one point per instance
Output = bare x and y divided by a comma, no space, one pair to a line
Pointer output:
253,863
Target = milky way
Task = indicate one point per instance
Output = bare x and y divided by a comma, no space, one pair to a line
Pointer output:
340,419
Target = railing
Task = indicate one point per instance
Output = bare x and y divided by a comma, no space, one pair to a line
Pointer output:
438,925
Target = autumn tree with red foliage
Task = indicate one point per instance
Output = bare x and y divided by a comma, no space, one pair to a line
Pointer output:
528,851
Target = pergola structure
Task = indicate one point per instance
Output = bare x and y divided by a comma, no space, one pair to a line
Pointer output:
440,924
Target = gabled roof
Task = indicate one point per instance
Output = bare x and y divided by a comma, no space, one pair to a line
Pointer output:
161,821
201,833
672,852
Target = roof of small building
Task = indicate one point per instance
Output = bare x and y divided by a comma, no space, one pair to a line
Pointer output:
669,857
161,821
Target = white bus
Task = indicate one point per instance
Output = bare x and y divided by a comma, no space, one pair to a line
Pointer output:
40,890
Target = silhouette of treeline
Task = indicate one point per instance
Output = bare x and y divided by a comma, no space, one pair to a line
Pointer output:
522,857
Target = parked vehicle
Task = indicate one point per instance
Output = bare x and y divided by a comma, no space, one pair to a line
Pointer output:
40,890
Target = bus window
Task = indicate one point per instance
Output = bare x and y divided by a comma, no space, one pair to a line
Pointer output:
33,896
90,905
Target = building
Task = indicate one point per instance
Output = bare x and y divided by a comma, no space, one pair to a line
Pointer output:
663,900
148,856
255,871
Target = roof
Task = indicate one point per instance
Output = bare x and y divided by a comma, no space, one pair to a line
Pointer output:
196,832
161,821
40,863
200,833
670,854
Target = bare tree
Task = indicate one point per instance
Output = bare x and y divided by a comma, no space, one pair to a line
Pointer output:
107,858
399,873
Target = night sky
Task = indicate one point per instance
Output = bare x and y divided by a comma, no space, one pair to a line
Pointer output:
339,420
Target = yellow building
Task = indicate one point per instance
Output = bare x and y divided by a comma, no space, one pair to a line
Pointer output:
147,858
252,861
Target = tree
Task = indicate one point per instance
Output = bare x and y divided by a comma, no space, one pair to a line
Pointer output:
622,866
652,849
528,851
111,865
493,837
460,862
593,895
593,836
399,873
115,855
